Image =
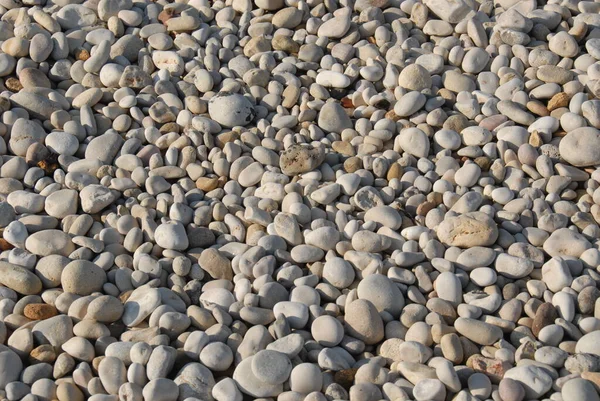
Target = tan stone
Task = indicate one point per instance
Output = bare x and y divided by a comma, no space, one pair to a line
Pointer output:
39,311
561,99
345,148
207,183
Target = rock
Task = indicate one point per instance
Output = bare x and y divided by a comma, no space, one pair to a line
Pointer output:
23,134
82,277
171,235
572,147
231,109
61,203
94,198
19,279
10,367
73,16
37,106
512,266
579,389
271,367
382,293
477,331
54,331
112,373
140,304
217,265
39,311
363,322
589,344
511,390
104,147
50,242
298,159
333,118
535,381
414,142
449,11
468,230
161,390
565,242
249,384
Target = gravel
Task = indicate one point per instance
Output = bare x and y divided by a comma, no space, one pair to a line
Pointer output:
299,201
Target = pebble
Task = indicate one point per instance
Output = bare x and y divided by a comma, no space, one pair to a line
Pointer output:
535,380
231,109
82,277
299,200
271,367
468,230
250,385
574,153
363,322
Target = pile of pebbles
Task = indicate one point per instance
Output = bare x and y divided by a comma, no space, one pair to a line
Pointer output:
299,200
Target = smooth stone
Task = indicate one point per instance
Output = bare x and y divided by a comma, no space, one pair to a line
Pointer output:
50,242
363,322
565,242
477,331
534,380
382,293
19,279
140,304
580,147
23,134
271,367
333,118
468,230
231,109
249,384
512,266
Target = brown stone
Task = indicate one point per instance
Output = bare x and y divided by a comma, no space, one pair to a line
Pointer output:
285,43
352,164
169,127
395,171
345,148
222,139
535,139
207,183
538,108
390,115
594,377
39,311
4,245
425,208
81,54
492,368
347,103
483,162
215,264
345,377
561,99
254,230
13,84
43,353
456,123
166,15
545,315
124,296
447,95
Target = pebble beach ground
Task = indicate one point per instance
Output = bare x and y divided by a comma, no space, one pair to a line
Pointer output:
288,200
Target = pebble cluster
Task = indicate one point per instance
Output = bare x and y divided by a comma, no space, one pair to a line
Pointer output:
299,200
